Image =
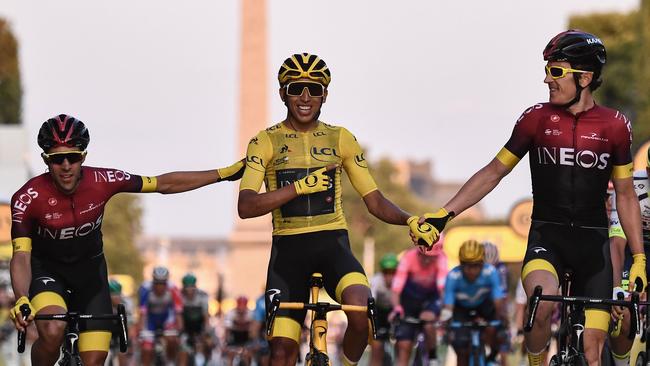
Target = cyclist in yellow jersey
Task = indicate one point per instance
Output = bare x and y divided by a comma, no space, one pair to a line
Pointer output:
301,160
575,146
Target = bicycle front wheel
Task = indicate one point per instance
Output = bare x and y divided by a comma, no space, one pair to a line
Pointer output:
641,359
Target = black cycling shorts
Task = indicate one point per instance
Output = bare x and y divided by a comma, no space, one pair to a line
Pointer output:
83,286
293,260
585,251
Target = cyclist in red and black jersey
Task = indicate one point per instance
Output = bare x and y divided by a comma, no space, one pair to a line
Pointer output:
574,147
58,261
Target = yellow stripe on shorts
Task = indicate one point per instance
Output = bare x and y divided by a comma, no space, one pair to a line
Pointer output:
48,298
597,319
287,328
352,278
95,340
538,264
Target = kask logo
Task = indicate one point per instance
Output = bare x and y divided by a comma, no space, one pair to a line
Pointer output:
537,250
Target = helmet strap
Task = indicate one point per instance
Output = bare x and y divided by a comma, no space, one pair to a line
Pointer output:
576,99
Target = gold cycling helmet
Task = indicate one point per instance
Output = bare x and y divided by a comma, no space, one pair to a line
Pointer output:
304,65
471,251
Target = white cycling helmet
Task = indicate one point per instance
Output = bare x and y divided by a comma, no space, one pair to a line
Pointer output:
490,253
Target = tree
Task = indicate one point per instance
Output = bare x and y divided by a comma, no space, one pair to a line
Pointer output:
10,88
121,226
627,73
388,238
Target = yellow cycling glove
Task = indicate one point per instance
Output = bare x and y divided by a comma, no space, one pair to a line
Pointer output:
315,182
424,234
438,219
637,273
15,311
233,172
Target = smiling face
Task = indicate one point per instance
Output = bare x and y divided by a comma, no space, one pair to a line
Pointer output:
303,110
563,89
66,175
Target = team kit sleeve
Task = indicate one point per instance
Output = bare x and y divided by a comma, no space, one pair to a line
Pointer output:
450,289
22,221
355,164
121,181
401,274
520,140
622,152
258,154
495,281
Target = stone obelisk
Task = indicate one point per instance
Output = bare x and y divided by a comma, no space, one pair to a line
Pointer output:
251,238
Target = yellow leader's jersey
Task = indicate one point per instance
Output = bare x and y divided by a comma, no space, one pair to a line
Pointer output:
279,156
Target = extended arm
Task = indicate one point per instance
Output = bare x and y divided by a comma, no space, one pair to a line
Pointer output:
21,276
253,204
177,182
385,210
629,213
478,186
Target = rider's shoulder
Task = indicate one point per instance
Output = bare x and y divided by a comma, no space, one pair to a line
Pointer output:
535,111
31,187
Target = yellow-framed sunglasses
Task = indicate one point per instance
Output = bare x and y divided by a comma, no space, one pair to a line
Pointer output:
59,157
558,72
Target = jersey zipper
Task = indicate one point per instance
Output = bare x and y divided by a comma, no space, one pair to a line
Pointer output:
305,149
573,169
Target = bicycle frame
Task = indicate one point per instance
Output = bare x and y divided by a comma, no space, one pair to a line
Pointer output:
477,350
318,330
70,346
569,344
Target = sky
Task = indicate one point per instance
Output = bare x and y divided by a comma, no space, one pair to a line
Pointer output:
156,82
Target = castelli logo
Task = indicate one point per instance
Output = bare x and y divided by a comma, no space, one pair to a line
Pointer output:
52,201
555,118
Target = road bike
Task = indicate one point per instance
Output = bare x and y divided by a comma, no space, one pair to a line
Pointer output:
570,340
317,355
70,347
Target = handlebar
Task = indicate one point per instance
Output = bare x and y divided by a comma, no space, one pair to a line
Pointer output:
320,307
632,305
121,317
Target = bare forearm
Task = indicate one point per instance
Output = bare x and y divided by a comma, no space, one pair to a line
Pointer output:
477,187
253,204
176,182
385,210
630,215
21,273
617,251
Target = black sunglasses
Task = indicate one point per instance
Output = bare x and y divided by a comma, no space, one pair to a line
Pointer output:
59,157
296,88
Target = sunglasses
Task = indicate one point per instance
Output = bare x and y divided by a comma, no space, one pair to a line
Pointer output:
296,88
558,72
58,157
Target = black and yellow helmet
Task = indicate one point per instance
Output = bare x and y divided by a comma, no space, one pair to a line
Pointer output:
304,65
471,251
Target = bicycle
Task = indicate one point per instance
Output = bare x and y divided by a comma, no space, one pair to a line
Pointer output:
317,355
421,355
477,347
642,359
570,345
70,347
